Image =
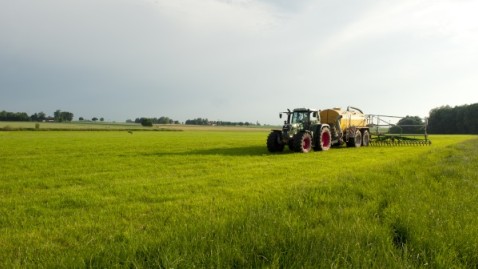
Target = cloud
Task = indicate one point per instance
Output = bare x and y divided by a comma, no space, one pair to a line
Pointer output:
210,16
453,20
233,59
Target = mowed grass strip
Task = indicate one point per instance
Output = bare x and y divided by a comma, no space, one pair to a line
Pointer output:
219,199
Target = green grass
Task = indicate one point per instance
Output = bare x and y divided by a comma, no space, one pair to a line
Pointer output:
78,125
219,199
118,126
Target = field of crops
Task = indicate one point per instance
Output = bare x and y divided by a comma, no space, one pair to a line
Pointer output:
217,198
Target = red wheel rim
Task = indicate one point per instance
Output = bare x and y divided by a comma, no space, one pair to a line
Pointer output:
306,143
325,139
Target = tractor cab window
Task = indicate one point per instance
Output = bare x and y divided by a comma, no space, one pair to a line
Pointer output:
299,117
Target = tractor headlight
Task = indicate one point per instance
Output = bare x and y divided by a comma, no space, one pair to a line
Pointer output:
286,128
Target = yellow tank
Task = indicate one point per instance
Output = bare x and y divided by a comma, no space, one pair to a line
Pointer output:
352,117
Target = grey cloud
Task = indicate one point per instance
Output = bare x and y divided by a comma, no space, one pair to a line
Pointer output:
137,58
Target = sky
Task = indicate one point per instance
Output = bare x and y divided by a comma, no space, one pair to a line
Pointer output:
236,60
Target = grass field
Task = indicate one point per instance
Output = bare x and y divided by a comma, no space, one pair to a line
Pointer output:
78,126
116,126
202,199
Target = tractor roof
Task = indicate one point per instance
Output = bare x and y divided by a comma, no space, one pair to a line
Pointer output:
304,110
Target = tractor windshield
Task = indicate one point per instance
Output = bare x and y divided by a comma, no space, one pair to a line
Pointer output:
299,117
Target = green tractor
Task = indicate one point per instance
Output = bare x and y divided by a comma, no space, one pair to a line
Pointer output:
302,131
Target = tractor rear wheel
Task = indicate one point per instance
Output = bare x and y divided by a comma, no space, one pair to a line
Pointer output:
274,142
302,142
324,139
365,138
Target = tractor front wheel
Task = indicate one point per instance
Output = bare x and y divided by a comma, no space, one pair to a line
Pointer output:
302,142
274,142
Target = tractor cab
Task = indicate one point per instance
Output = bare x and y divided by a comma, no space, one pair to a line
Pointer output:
299,117
298,120
311,116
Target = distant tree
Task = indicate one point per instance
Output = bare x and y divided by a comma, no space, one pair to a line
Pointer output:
198,121
146,122
409,125
22,116
81,119
102,119
67,116
38,116
164,120
160,120
94,119
201,121
129,121
56,115
61,116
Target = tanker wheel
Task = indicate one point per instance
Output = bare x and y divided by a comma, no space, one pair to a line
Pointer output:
273,142
365,138
302,142
324,140
356,141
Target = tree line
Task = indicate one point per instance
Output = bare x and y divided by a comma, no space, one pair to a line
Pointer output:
197,121
205,121
150,121
58,116
442,120
454,120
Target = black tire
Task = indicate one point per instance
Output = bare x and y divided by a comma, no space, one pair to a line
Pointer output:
324,140
356,141
302,142
290,144
365,138
274,142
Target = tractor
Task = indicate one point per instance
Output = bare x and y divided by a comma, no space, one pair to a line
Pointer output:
302,131
306,129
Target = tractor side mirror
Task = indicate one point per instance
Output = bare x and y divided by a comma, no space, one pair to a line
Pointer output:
280,115
314,114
